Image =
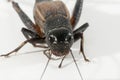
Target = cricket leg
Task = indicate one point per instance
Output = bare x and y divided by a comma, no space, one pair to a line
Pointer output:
15,50
79,34
25,19
47,53
81,29
82,48
76,13
60,65
32,40
29,34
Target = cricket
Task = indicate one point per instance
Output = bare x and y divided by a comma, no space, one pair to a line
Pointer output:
54,29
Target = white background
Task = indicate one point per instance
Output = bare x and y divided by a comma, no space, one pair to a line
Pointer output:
102,45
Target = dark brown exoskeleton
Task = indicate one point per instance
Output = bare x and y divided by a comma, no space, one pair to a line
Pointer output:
54,27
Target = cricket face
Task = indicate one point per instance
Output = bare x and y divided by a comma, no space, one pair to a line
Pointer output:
60,41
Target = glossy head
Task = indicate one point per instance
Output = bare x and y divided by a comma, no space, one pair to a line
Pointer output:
60,40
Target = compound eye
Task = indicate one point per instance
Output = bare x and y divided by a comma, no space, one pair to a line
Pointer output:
53,39
68,37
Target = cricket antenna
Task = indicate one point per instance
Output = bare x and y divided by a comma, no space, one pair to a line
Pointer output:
45,68
76,65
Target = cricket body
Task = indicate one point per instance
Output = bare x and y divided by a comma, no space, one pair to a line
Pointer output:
54,27
53,18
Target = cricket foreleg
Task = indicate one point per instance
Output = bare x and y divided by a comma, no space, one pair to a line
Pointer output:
60,65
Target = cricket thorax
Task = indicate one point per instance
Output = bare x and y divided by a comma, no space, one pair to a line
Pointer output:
57,21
